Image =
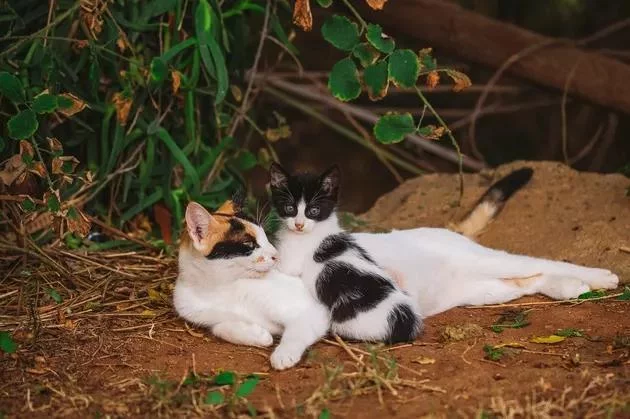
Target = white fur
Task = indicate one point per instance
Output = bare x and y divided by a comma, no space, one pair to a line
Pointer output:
441,269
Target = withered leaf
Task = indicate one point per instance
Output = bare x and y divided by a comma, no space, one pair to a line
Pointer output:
77,105
302,16
236,92
26,148
77,222
64,165
433,79
275,134
461,80
14,167
38,168
123,106
376,4
54,145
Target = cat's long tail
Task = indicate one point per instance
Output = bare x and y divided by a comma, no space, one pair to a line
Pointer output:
491,203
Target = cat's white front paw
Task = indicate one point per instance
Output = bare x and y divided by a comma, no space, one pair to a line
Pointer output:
285,357
263,337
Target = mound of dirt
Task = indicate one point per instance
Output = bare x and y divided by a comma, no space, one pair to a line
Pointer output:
561,214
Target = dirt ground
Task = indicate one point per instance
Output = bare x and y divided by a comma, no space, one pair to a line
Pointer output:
113,347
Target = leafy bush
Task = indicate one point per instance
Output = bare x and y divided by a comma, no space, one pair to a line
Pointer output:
146,98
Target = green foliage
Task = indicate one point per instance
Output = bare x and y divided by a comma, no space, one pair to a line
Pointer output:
11,88
247,387
512,319
7,345
324,414
376,82
493,353
589,295
570,333
214,397
625,296
344,81
57,298
379,40
341,32
404,68
225,378
23,125
366,54
45,103
393,127
324,3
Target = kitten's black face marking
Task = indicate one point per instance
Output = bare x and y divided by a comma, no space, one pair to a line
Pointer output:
236,243
319,193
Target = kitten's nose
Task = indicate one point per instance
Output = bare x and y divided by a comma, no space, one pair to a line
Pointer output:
299,226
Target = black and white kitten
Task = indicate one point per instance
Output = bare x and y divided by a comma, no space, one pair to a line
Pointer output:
364,301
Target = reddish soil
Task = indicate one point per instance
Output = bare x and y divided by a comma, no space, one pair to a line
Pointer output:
119,360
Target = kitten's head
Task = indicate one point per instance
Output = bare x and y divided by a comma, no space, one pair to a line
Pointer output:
230,236
303,200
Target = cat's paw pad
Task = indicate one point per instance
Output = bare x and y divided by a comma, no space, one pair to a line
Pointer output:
284,357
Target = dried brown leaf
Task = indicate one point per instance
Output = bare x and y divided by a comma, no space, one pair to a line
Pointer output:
26,148
42,221
302,16
275,134
176,78
236,92
376,4
58,163
38,168
433,79
79,224
123,107
13,169
54,145
122,44
77,105
461,80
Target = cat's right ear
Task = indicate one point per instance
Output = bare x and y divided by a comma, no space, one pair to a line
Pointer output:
279,176
199,223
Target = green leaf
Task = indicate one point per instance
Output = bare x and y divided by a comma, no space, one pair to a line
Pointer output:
23,125
45,103
366,54
52,203
379,40
570,333
159,70
343,81
7,344
324,414
341,32
176,49
210,51
55,296
493,353
625,296
404,68
179,155
246,160
11,88
247,387
214,397
226,378
324,3
375,78
64,102
393,127
591,294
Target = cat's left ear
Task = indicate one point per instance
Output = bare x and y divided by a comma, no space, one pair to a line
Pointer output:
330,180
238,199
279,176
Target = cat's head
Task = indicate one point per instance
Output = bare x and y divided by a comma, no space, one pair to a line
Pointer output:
227,235
303,200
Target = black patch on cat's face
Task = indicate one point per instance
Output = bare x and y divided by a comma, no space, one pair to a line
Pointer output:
347,291
237,242
337,244
319,192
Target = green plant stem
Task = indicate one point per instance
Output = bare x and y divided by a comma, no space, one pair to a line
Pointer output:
342,130
39,155
356,14
460,163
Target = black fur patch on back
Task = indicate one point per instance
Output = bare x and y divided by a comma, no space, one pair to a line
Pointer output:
405,326
336,245
347,291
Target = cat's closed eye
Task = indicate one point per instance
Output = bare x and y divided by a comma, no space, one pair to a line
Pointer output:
313,211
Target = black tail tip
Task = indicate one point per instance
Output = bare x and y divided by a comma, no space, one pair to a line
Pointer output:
511,183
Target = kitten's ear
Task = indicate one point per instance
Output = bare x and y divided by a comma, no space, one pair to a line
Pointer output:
330,180
199,223
279,176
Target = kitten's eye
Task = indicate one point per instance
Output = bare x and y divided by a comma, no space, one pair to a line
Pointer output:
289,208
249,245
313,211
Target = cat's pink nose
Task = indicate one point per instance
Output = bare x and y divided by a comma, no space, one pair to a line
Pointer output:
299,226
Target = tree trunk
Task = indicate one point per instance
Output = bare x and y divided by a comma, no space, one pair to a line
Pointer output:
450,28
